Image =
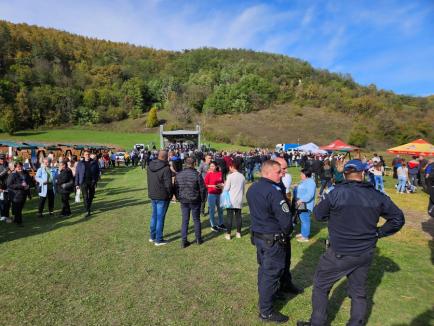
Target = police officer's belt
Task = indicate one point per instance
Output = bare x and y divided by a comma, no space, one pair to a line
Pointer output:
266,236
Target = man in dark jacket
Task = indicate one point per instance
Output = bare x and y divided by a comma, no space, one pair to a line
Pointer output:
352,210
190,191
160,191
86,177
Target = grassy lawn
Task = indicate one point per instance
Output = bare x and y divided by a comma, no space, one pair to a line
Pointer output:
103,270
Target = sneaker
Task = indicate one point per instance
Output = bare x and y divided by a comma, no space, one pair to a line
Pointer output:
161,243
151,240
297,236
214,229
222,227
238,235
303,239
3,218
227,236
274,317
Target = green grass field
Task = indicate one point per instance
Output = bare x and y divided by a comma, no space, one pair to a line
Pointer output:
103,270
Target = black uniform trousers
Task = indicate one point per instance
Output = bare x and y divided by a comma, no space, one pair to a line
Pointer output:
194,208
331,268
271,260
286,279
88,192
50,196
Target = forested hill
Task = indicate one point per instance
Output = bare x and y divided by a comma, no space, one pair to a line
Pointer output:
51,78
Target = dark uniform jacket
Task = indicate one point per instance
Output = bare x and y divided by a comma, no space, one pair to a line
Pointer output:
3,176
353,210
190,187
159,180
269,210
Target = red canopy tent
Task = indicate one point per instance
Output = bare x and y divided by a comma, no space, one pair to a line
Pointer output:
340,146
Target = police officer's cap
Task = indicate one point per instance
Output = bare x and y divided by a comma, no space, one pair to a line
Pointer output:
355,165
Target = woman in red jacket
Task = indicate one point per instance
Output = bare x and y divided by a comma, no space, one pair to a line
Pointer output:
214,184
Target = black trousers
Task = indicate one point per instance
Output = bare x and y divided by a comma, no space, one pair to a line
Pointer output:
195,213
5,205
66,209
231,213
50,196
271,260
331,268
202,205
17,210
88,192
286,279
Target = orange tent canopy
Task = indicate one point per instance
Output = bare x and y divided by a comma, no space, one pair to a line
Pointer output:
339,145
417,147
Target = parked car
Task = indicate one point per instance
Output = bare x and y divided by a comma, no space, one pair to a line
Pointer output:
120,156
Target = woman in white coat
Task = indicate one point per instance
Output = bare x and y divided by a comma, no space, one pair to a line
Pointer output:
234,185
46,177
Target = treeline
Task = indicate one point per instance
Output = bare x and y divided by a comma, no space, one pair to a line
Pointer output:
50,78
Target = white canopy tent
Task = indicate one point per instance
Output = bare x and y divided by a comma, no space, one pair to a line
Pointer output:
310,148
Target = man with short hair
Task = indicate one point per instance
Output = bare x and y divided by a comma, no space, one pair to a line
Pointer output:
86,178
191,192
160,191
352,210
271,227
45,177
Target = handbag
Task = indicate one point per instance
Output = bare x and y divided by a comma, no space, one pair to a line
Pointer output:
302,207
225,200
77,196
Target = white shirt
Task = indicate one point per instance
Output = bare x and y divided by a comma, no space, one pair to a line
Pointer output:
287,180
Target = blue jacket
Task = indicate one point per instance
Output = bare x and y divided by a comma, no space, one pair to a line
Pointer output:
269,210
353,210
79,172
306,192
42,176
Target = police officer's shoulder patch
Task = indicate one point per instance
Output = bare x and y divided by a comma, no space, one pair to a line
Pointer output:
284,206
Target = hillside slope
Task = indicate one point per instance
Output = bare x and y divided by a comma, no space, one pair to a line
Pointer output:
50,78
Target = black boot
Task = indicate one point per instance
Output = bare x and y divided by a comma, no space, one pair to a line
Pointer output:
185,244
274,317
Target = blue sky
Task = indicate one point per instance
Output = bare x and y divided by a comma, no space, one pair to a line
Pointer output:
388,43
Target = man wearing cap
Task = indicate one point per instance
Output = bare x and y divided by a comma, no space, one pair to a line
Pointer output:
352,210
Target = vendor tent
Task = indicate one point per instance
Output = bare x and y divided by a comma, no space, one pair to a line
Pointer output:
311,148
417,147
339,146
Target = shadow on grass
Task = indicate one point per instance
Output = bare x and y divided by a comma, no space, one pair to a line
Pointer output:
302,273
380,266
425,318
31,133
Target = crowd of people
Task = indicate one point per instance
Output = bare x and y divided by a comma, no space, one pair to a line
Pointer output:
60,176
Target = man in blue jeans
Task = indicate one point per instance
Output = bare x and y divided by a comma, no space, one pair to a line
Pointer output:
160,191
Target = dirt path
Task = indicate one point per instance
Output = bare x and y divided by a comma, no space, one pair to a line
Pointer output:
420,221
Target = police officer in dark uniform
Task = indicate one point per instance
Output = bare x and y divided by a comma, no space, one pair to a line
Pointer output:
271,226
352,210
